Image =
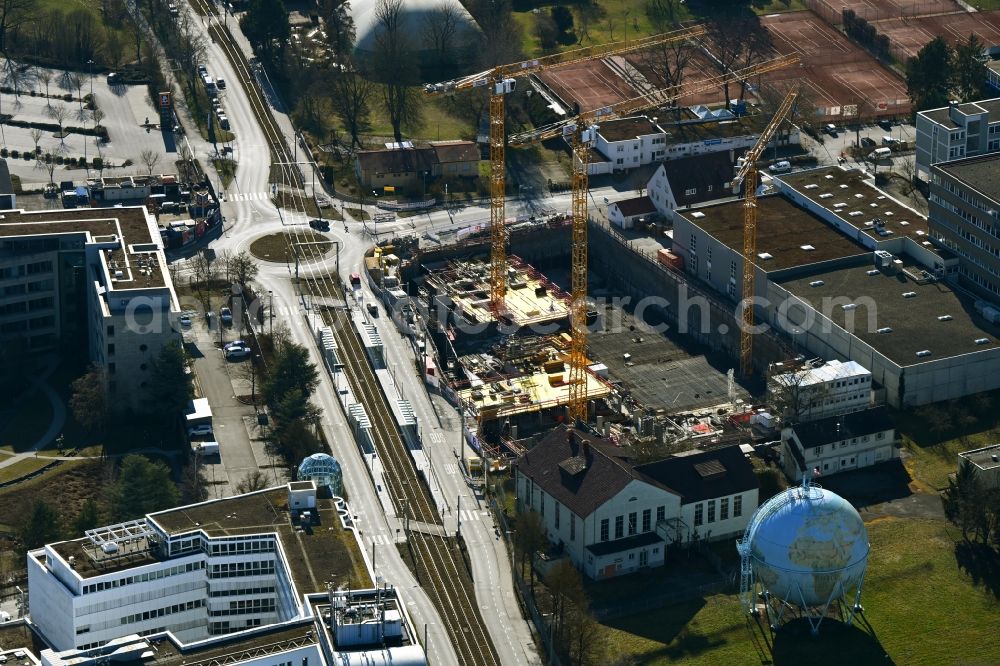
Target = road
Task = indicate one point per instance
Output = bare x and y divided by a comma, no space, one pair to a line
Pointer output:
249,215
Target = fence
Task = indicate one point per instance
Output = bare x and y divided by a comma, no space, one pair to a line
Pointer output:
831,11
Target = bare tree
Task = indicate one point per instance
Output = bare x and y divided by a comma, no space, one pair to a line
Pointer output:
735,39
45,76
113,47
59,114
241,268
36,136
75,82
663,14
150,158
253,481
137,36
791,396
13,14
98,116
588,13
352,97
47,165
667,63
501,41
441,30
395,66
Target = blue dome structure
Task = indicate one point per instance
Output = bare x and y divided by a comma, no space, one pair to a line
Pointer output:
324,470
806,549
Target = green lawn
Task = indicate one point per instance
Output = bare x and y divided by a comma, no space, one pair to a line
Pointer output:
922,607
22,468
985,4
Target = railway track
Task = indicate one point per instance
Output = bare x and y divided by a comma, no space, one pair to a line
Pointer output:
437,566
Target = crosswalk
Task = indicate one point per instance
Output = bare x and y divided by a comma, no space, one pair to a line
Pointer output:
381,539
472,515
247,196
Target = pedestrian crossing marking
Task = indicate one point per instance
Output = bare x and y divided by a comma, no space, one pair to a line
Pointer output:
247,196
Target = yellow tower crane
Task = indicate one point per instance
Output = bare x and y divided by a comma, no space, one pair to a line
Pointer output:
501,81
580,133
746,173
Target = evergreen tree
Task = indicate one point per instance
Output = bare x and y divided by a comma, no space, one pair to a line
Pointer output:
928,75
970,72
143,486
87,519
171,386
41,526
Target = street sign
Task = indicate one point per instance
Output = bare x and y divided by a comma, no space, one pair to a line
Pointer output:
165,100
389,188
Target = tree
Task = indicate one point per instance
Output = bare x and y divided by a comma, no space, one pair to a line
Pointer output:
76,83
88,518
394,64
352,96
588,13
13,14
98,116
790,396
45,76
253,481
546,31
441,31
737,39
662,14
501,41
150,158
113,47
36,136
89,401
48,165
41,526
266,27
928,75
969,67
340,29
143,486
60,113
668,63
563,18
241,267
963,499
170,385
291,371
529,537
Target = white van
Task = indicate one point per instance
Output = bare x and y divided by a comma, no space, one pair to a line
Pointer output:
889,141
780,167
879,154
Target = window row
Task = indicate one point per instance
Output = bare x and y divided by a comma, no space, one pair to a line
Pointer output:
238,569
142,578
269,589
633,523
161,612
723,504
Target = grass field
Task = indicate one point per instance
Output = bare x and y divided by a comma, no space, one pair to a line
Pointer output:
22,468
275,247
65,488
437,123
985,4
922,607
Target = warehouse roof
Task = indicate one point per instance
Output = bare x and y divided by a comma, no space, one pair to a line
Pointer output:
912,320
787,236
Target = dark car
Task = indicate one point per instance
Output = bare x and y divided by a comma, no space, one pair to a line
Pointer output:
886,125
867,142
320,225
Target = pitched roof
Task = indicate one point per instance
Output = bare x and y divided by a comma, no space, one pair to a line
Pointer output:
581,472
699,172
635,206
400,160
455,151
701,476
845,426
628,128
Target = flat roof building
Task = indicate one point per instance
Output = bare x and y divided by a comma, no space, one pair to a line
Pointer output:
956,131
99,273
964,209
985,462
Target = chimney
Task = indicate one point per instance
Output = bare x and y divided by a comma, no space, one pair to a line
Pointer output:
571,438
586,450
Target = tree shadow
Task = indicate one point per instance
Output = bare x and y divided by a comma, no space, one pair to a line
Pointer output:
871,485
670,625
982,563
836,644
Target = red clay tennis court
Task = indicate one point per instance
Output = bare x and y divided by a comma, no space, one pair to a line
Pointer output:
911,34
880,10
699,68
835,71
591,85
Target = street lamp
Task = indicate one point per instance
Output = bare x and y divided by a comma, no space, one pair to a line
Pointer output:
270,313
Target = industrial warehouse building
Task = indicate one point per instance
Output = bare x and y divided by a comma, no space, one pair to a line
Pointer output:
847,272
94,274
611,517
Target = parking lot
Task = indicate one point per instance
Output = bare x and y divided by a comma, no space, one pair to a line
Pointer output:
125,108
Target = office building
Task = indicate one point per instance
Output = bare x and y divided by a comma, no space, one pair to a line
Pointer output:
956,131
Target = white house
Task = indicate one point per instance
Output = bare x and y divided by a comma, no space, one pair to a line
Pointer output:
612,518
689,181
629,143
838,443
627,212
816,393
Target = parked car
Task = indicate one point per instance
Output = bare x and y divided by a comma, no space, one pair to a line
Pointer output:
202,70
236,344
372,309
224,122
320,225
226,316
885,124
185,320
220,83
889,141
830,129
780,167
201,430
867,142
238,353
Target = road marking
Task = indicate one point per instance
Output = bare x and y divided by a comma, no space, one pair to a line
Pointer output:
451,469
248,196
437,438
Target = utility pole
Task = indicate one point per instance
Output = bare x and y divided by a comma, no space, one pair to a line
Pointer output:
270,313
458,512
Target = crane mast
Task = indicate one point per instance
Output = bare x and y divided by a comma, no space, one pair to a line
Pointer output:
502,81
747,175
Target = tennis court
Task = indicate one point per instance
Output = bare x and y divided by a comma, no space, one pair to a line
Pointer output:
909,35
880,10
590,85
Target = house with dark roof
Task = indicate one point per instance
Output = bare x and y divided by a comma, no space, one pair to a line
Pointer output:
414,166
628,143
838,443
611,517
627,212
689,181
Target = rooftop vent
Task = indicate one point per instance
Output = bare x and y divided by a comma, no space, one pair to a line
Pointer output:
858,196
828,177
945,318
816,283
873,272
926,243
854,213
884,329
909,294
843,186
924,352
982,341
825,195
869,224
873,205
849,306
765,256
880,197
902,223
119,275
811,186
697,214
888,213
807,248
919,232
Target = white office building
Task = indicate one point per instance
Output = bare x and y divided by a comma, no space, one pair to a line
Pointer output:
838,444
818,392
